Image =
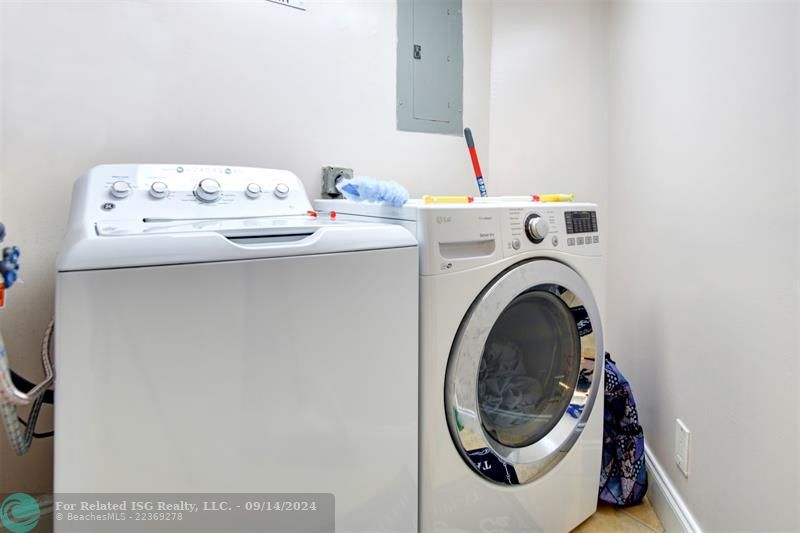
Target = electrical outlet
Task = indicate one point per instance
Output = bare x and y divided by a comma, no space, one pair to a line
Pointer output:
330,177
682,441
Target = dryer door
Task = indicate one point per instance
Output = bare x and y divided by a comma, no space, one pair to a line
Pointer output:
524,371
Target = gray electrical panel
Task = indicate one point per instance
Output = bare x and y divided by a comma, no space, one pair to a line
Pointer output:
430,66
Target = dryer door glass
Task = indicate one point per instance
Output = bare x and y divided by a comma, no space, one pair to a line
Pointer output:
529,369
524,372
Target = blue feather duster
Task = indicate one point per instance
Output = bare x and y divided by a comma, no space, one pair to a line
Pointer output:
362,188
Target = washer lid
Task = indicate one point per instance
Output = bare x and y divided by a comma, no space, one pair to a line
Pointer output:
230,227
524,372
145,243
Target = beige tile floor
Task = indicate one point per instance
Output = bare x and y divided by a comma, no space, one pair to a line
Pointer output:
609,519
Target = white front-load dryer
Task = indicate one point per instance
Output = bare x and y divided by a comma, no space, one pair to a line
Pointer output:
511,362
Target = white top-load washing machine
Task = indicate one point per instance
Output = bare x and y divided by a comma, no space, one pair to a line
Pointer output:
214,337
511,352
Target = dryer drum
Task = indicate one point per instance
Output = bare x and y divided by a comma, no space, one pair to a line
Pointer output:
529,369
514,368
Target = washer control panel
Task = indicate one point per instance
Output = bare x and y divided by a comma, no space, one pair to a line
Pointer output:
172,192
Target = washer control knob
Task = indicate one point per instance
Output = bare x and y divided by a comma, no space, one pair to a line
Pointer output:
253,190
536,228
208,190
159,190
281,191
120,189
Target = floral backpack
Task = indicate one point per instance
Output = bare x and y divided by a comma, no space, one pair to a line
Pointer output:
623,478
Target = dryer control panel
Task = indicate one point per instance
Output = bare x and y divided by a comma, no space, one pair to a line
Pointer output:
458,237
567,227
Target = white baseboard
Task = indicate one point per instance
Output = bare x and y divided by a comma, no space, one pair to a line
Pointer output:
667,503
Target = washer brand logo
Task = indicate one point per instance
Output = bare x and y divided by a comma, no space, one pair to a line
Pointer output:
485,218
19,513
443,220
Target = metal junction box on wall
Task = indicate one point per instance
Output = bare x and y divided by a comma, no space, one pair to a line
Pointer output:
430,66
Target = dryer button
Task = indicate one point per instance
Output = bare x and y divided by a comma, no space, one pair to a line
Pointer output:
515,244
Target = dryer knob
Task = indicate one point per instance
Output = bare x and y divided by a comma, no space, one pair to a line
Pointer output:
536,228
208,190
120,189
281,191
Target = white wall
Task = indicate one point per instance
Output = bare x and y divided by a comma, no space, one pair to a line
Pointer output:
549,98
704,237
239,83
681,120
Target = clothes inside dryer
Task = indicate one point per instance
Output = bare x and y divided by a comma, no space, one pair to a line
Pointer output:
529,369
